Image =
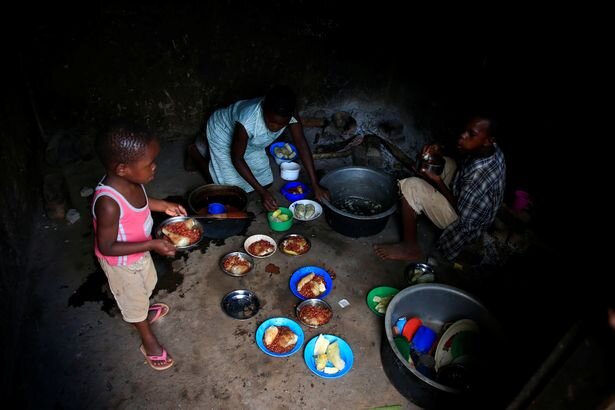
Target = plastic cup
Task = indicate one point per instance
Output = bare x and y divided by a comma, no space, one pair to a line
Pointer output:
522,201
423,339
216,208
289,171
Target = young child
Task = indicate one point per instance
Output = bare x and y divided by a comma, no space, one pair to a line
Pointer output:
122,226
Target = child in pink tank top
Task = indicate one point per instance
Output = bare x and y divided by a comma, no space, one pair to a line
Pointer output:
122,224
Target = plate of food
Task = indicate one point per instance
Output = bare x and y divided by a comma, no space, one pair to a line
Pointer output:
305,210
260,246
236,263
328,356
294,244
182,231
279,337
310,282
314,312
378,299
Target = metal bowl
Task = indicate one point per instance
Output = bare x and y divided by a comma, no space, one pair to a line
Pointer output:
435,167
174,219
241,304
243,256
417,273
294,235
312,302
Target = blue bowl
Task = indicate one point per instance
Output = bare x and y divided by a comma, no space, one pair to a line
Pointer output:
294,197
278,161
279,321
306,270
345,353
216,208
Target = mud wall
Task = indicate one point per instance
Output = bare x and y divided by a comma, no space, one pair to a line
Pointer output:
20,182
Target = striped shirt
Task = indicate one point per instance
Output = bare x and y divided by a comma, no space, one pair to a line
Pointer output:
479,189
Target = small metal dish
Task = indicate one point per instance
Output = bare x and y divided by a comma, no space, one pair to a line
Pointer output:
174,219
241,304
312,302
243,256
294,235
417,273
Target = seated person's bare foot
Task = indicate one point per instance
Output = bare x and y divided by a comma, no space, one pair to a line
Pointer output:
402,251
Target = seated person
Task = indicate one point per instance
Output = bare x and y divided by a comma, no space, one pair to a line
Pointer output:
232,150
463,212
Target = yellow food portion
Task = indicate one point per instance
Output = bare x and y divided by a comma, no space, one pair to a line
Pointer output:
333,353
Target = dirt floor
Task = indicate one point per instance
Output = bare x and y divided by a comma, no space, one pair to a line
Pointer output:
89,358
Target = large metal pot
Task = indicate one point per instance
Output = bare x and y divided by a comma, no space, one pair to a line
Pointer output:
232,197
435,305
228,195
362,184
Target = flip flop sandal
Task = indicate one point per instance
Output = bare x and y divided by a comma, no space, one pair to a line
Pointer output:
161,310
164,357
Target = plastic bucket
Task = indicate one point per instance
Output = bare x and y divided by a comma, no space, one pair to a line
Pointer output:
289,171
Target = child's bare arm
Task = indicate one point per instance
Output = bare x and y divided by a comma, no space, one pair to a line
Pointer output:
107,220
169,208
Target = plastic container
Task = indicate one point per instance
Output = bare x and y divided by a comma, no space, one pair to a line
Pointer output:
280,226
289,171
275,145
522,201
423,340
289,191
215,208
410,328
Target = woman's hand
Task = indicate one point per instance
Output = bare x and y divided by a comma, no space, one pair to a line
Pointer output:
269,201
163,247
321,193
174,209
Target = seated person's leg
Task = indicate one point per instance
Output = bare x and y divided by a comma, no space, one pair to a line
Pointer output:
424,198
195,157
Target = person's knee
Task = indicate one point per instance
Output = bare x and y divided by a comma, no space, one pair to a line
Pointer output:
411,186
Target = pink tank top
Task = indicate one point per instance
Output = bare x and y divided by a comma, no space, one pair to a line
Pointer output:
135,224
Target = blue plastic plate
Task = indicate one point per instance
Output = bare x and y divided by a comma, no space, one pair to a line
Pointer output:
279,321
292,185
345,353
306,270
273,146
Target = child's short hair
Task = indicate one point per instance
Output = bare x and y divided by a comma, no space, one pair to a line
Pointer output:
280,100
122,144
